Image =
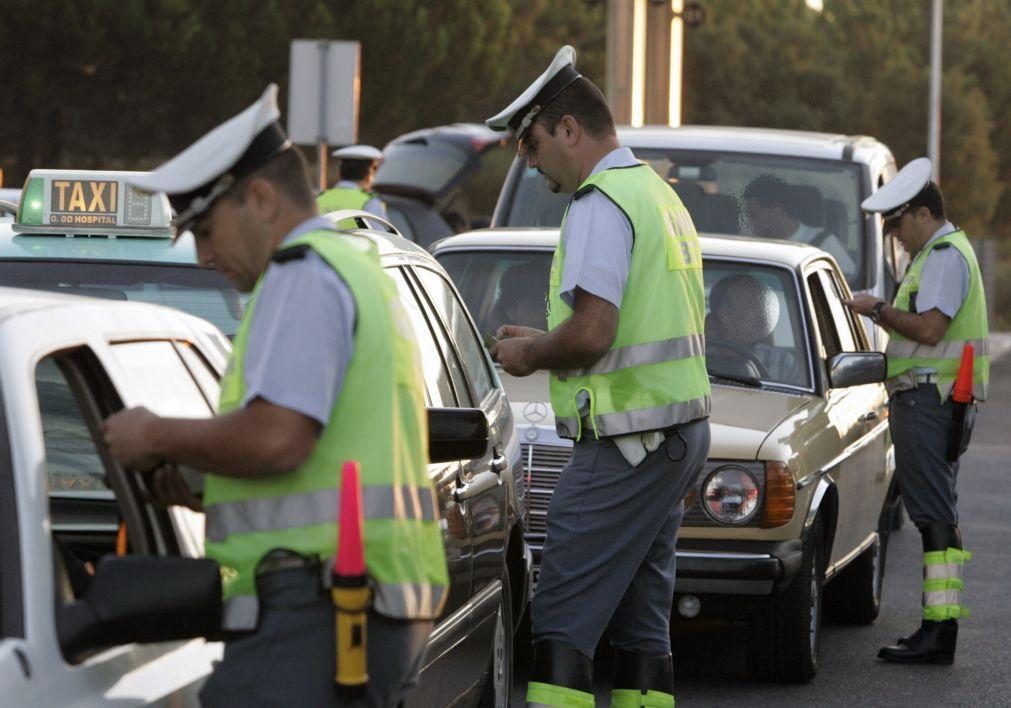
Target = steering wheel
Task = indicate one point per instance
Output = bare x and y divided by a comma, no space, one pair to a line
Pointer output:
739,353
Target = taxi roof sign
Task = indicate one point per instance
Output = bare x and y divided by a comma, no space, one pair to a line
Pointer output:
91,202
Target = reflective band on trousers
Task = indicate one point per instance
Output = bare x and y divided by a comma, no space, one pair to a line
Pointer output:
905,348
310,508
547,694
643,355
643,419
389,599
942,584
633,698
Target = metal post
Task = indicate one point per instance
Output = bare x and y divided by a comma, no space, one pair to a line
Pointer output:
324,50
934,122
677,31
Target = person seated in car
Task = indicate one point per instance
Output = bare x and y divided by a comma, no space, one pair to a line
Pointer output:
520,301
773,214
743,313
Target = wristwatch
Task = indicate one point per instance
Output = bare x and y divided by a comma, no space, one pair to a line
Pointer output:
876,311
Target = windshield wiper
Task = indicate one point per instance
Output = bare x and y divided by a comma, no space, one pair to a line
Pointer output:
750,381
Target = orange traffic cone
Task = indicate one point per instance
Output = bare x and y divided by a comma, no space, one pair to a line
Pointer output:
350,588
962,392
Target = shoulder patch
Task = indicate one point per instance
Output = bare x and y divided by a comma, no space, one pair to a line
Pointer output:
583,191
293,253
942,246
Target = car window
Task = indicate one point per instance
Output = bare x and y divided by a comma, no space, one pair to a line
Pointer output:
72,460
438,386
197,291
202,372
830,343
840,313
454,315
501,287
754,326
822,198
159,378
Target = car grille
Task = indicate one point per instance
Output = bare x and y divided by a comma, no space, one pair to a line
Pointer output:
542,466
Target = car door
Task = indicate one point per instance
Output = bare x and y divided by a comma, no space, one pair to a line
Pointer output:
95,508
439,681
483,483
852,413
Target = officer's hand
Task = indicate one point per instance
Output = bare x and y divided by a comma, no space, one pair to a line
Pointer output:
168,488
514,355
128,437
862,303
509,331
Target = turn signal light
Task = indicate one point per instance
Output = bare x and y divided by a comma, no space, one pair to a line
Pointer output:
780,497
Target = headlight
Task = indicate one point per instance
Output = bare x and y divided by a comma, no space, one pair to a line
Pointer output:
730,495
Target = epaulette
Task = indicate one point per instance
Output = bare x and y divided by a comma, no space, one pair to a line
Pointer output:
294,253
583,191
942,246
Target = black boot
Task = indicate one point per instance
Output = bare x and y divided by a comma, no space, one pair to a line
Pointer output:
636,675
933,643
560,675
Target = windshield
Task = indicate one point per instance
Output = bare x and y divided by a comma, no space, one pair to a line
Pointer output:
754,327
766,196
197,291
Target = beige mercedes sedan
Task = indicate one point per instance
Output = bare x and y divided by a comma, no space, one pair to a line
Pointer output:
792,511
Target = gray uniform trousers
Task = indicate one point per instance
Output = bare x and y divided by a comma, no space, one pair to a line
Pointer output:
608,560
920,425
289,660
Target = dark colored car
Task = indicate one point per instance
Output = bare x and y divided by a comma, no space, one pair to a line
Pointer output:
69,362
422,176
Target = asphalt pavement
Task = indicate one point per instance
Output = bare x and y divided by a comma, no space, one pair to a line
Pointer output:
709,659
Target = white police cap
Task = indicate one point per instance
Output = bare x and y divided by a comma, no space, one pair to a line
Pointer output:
195,178
358,152
520,114
893,199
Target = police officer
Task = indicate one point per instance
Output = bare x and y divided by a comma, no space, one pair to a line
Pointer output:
939,308
356,168
319,342
628,384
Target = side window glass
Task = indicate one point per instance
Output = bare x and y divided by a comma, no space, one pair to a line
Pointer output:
823,313
840,313
438,387
161,380
205,376
72,460
475,356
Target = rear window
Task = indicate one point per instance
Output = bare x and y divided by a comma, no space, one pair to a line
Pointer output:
197,291
421,164
817,201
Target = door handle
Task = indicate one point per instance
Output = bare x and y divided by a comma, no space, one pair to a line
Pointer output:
478,485
869,416
499,462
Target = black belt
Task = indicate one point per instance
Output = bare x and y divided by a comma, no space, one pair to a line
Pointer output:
282,559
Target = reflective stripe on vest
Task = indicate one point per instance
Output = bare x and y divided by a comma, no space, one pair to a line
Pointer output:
404,554
642,355
318,507
654,375
943,583
969,325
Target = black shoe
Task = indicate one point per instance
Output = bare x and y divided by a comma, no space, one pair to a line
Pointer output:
933,643
915,637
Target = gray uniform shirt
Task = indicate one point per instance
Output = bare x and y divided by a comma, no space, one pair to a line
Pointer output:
301,336
944,280
598,241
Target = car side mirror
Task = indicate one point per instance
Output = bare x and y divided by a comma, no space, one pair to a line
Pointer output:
142,599
856,369
456,434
